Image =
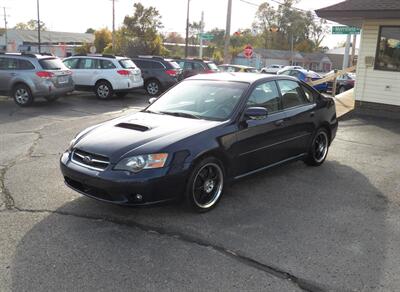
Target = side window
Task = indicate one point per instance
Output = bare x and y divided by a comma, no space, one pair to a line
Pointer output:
72,63
198,66
292,94
25,65
89,64
310,94
106,64
157,65
143,64
8,64
188,66
265,95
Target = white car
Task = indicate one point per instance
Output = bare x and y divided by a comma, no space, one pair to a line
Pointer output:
288,68
105,74
271,69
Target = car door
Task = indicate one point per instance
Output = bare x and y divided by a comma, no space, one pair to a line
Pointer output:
145,67
261,142
299,110
72,64
9,72
88,69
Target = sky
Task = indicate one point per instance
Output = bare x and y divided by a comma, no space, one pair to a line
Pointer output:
78,15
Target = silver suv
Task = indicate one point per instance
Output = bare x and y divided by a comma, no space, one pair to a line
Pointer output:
27,76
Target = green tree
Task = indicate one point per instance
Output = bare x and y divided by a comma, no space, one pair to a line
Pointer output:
277,27
90,30
84,49
30,25
102,38
140,32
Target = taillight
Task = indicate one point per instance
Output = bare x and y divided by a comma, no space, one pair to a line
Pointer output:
45,74
209,71
171,73
123,72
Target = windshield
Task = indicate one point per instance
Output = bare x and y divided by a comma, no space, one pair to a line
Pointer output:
127,64
51,64
210,100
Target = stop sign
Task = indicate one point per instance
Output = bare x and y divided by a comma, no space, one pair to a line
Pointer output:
248,51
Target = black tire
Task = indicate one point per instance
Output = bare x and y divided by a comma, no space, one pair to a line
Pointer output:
206,185
51,98
103,90
319,148
22,95
153,87
121,94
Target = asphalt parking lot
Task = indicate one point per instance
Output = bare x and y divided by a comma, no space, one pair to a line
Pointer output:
292,228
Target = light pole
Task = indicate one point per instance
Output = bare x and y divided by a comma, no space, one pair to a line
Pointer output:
38,27
187,30
228,32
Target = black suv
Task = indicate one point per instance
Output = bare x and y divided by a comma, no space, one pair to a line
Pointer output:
193,67
158,73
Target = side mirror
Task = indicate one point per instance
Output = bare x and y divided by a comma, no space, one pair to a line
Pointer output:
256,113
153,99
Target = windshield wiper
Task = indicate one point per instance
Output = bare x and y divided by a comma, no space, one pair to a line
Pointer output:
152,112
181,114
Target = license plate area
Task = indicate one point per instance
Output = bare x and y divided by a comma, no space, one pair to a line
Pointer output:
62,79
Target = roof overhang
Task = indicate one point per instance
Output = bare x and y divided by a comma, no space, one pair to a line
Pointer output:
356,17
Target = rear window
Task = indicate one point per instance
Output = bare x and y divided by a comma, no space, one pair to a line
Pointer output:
51,64
127,64
212,66
175,65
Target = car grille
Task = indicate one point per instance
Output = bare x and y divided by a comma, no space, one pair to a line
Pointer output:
90,160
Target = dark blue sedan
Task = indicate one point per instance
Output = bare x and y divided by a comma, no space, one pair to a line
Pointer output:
307,76
203,133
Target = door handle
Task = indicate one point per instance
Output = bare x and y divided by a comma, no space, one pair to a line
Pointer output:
13,74
279,123
312,114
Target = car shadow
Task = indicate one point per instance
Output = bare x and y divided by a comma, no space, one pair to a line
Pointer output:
326,225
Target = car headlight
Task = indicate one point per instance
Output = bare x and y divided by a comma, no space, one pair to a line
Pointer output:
140,162
71,145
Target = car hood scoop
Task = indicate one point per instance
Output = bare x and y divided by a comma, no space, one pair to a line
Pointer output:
132,126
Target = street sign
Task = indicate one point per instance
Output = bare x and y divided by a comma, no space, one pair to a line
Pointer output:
206,36
248,51
345,30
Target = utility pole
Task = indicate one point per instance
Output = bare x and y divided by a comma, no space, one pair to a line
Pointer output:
347,52
38,20
5,29
228,32
291,50
113,26
201,35
187,30
353,49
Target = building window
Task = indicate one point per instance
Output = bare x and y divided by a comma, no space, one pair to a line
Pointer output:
388,49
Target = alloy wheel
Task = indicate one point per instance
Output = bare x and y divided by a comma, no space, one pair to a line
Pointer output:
103,91
152,88
320,147
208,185
22,96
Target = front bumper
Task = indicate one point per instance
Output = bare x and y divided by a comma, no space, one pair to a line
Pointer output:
121,187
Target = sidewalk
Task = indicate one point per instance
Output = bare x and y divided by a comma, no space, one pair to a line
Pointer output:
344,102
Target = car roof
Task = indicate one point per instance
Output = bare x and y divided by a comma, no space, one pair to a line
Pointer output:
108,57
239,77
237,66
27,55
